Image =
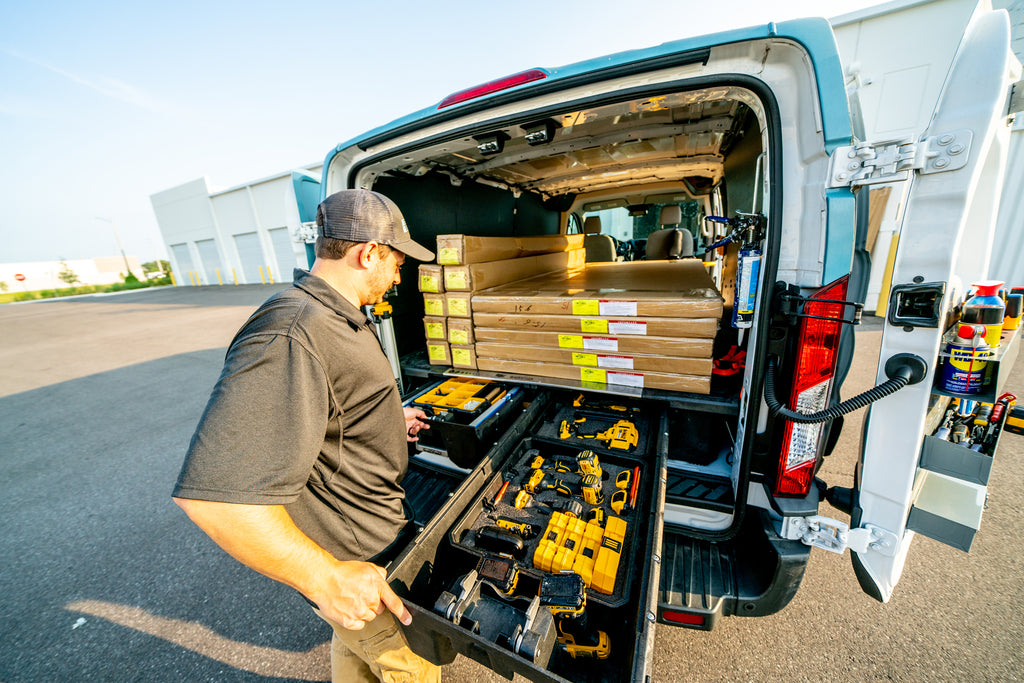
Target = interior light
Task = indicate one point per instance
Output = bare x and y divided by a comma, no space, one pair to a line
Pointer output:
491,143
540,132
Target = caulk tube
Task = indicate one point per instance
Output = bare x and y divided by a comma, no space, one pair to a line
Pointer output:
748,271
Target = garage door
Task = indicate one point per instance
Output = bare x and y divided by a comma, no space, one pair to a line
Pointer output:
284,250
251,255
211,261
183,262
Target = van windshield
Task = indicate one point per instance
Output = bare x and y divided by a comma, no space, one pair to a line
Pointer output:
624,224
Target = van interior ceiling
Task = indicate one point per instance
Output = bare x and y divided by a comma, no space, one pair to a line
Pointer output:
622,161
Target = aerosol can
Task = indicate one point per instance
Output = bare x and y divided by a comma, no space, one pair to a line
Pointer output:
748,230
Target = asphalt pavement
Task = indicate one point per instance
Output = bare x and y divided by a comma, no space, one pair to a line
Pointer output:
102,578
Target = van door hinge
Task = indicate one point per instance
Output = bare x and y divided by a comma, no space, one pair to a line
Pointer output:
835,536
890,161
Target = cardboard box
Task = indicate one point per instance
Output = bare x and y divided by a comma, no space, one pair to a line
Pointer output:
434,304
453,250
460,331
608,361
675,289
615,327
438,353
458,304
464,356
477,276
599,378
687,347
431,278
436,328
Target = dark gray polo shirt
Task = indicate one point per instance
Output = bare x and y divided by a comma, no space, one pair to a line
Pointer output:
306,414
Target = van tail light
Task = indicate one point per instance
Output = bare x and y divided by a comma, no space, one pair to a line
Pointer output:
817,352
498,85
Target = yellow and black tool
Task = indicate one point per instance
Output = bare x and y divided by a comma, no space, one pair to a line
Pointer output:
622,480
622,435
565,595
619,500
499,571
520,528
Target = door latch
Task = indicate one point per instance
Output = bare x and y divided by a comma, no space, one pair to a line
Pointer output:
916,305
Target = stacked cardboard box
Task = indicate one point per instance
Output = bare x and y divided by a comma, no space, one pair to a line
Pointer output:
642,324
469,263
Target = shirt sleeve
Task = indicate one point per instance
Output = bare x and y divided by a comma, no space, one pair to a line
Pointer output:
263,427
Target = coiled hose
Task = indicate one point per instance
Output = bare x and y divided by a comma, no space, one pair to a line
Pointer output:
900,377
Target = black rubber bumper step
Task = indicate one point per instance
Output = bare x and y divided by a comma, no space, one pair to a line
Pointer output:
697,578
699,490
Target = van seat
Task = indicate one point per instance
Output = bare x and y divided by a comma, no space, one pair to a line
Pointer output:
599,247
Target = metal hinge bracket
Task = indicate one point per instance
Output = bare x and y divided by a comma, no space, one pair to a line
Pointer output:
835,536
890,161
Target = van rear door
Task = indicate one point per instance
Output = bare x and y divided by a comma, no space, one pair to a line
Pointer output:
907,480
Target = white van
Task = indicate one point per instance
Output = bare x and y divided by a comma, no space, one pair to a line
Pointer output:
738,152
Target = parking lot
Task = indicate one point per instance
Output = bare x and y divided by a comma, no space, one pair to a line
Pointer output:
102,577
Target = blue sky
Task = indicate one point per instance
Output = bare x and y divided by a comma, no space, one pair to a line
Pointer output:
102,104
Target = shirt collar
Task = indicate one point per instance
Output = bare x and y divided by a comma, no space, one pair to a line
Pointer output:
320,290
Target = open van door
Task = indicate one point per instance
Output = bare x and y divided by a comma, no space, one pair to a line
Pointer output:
954,178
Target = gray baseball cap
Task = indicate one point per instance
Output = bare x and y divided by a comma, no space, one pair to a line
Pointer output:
366,216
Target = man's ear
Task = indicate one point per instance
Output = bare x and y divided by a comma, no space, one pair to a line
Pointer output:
365,252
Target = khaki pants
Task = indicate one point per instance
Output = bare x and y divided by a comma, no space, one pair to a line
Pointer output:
378,652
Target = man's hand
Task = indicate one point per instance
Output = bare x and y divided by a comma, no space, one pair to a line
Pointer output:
414,423
264,538
355,593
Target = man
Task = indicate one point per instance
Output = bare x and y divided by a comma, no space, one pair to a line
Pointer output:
296,463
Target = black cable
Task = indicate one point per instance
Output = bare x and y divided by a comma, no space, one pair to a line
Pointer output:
901,377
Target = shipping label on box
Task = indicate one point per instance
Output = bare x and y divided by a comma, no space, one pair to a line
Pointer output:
431,278
460,331
606,361
458,304
434,305
436,328
438,353
688,347
464,356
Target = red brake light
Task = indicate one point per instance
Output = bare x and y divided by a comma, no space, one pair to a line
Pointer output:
493,87
815,368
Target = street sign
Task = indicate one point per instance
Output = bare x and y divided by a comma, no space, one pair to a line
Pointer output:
19,277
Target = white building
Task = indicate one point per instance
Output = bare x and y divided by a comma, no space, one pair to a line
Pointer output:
46,274
243,235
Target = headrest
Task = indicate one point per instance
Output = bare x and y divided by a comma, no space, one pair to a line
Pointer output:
592,225
671,215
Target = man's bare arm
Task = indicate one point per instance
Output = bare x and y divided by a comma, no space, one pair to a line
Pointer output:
264,538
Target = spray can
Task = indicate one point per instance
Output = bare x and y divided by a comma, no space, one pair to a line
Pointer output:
748,271
964,370
986,308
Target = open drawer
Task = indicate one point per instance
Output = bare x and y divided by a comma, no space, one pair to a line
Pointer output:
460,590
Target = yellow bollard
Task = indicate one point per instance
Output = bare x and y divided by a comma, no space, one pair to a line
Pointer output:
270,276
234,275
174,283
262,279
219,281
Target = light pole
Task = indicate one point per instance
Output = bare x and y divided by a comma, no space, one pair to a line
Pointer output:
118,238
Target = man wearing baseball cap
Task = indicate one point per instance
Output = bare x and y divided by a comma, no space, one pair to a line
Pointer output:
295,466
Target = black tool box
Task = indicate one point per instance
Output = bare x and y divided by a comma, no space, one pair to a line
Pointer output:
503,584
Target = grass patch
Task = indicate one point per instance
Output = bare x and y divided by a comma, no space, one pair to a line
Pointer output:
8,297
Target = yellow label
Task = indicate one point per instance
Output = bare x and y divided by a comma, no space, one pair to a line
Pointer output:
585,307
461,357
433,307
584,359
428,283
570,341
448,256
457,306
455,279
458,336
436,352
592,375
595,325
435,331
